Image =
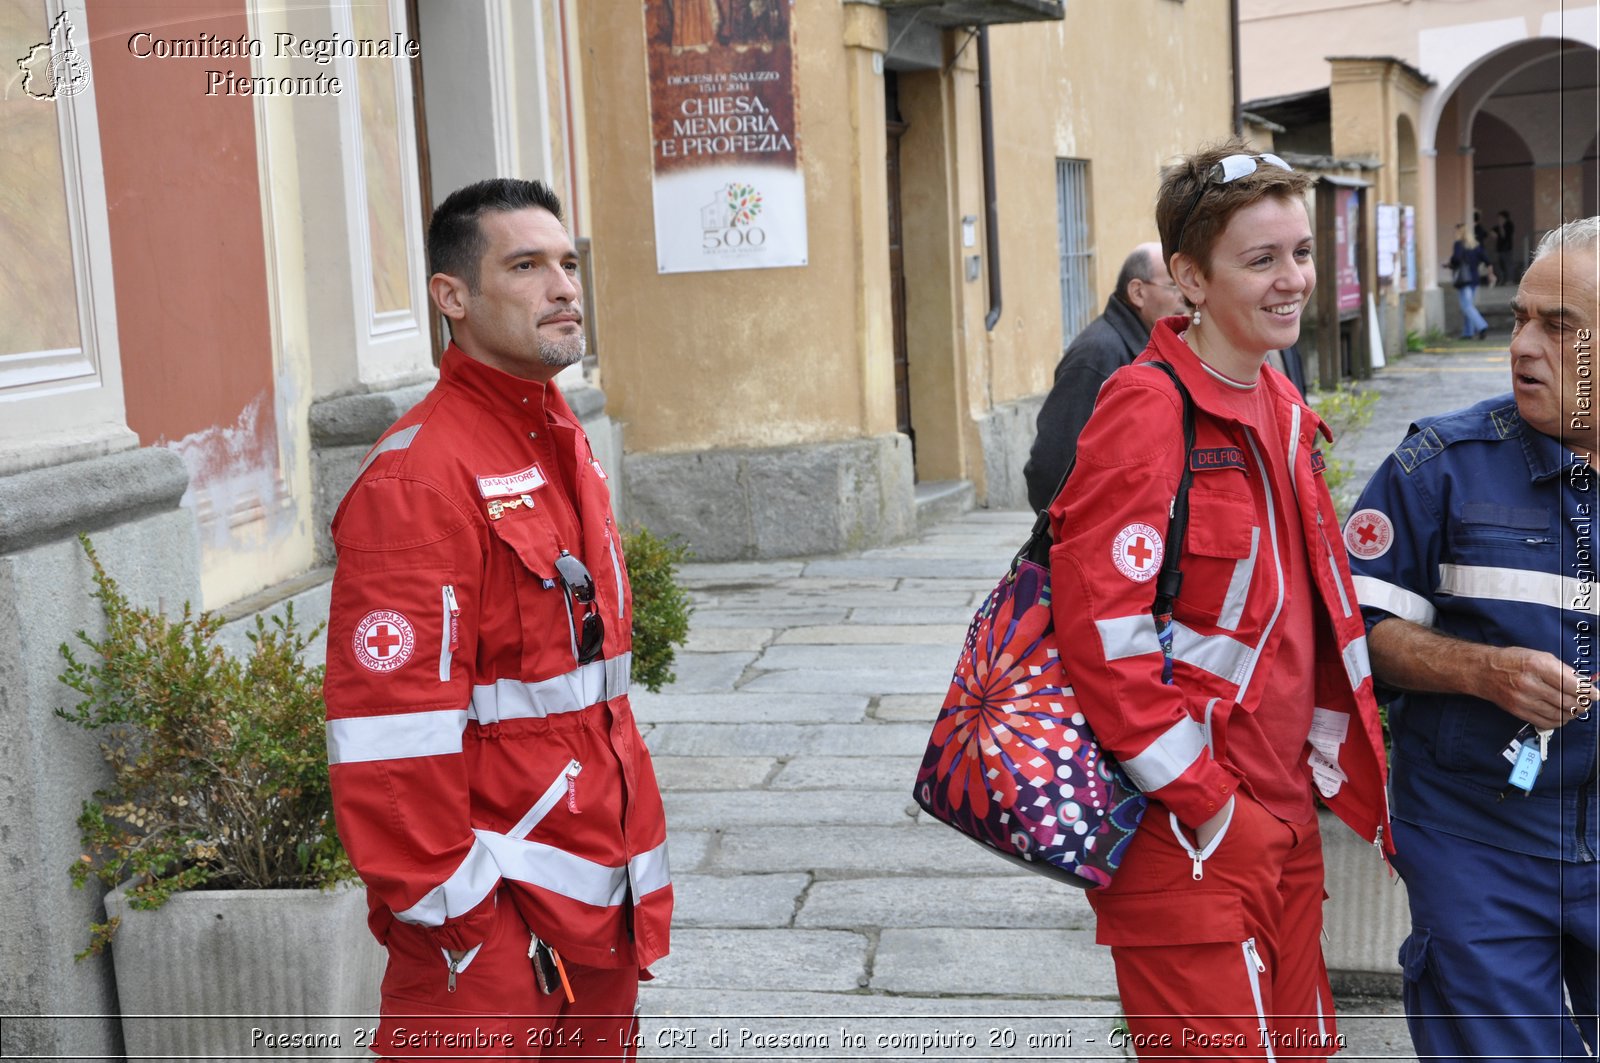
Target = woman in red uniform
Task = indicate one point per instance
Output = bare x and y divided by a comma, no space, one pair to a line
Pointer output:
1215,915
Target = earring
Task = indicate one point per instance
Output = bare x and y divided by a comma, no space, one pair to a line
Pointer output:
1194,318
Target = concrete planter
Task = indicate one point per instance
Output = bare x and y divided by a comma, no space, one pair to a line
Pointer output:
1366,917
229,974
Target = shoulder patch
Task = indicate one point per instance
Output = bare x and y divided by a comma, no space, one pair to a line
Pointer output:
1418,449
1368,534
1506,420
1137,551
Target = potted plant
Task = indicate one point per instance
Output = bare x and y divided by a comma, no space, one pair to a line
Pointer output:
233,894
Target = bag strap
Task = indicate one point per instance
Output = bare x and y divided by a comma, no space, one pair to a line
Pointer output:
1170,578
1037,546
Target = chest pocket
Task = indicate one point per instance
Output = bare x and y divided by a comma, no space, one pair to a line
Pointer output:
1220,557
546,625
1492,529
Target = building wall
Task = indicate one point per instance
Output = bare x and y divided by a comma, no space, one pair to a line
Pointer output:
803,356
1127,86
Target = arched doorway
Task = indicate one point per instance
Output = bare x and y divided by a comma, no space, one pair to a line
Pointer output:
1515,131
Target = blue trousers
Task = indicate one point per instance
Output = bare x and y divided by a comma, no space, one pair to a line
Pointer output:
1496,937
1472,322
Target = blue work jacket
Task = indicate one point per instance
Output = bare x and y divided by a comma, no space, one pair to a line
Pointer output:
1483,529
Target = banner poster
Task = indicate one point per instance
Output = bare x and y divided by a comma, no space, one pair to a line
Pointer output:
1388,242
1408,241
1347,222
729,191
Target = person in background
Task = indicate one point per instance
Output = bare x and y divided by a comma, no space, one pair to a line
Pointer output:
1467,262
1145,294
1473,554
1504,247
1215,915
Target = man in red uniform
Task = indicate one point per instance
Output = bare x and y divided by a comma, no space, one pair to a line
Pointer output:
489,780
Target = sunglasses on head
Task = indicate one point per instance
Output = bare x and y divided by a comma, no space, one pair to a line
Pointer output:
577,581
1224,171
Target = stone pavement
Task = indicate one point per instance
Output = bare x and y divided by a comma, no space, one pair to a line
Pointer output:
816,904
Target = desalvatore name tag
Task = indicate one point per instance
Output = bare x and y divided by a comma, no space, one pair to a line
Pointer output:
512,483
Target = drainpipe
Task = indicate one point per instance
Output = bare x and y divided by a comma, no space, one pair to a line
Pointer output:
1238,81
991,206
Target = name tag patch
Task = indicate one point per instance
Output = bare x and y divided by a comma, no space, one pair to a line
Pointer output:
1318,462
512,483
1203,459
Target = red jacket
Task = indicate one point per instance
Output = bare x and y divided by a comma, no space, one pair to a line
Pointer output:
467,745
1115,514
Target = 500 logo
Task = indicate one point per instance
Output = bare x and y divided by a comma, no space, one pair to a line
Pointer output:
727,222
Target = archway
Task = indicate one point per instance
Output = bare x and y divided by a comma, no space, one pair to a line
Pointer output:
1514,131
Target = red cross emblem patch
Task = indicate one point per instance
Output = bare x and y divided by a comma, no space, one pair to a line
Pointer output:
1137,552
384,640
1368,534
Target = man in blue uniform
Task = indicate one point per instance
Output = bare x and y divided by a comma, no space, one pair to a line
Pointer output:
1473,550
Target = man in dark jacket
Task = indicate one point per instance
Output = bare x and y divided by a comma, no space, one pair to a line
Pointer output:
1145,294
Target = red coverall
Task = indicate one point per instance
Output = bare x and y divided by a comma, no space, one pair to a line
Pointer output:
1206,956
488,786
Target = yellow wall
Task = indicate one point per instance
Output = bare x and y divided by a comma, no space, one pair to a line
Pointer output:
745,357
785,356
1126,86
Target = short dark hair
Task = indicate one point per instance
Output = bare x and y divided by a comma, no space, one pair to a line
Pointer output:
1183,179
1139,265
456,241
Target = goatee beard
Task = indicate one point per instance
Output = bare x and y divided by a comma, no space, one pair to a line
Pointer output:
564,352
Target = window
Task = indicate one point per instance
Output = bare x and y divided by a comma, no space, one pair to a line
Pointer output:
1078,305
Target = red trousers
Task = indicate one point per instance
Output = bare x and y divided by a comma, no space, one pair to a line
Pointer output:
1229,965
497,1009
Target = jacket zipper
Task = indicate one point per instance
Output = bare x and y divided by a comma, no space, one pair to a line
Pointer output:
1200,856
616,565
1254,969
1277,561
1333,566
565,785
450,637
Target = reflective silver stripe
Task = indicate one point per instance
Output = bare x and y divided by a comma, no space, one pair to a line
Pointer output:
1294,445
1514,585
399,441
1128,636
1249,667
1356,662
587,684
1239,585
1168,757
457,895
557,870
395,737
1407,605
1338,581
1221,655
648,872
616,570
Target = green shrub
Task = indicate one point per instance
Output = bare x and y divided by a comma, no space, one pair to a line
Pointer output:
1345,409
1414,341
219,764
660,607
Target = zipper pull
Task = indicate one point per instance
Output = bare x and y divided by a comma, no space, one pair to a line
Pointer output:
450,986
455,616
1255,957
572,787
1377,841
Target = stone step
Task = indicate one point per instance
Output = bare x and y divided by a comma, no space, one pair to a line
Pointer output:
940,500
